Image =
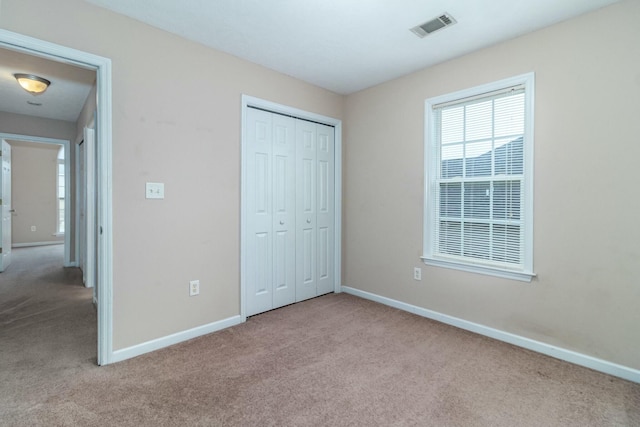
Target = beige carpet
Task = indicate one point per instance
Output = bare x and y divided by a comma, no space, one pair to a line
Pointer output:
336,360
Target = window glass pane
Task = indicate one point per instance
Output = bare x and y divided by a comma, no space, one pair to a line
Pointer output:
452,161
509,156
478,159
476,240
479,121
509,115
506,243
477,202
506,200
449,238
452,125
450,199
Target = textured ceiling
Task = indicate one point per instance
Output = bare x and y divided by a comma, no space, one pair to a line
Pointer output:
347,45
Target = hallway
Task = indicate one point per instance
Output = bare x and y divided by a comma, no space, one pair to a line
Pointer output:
46,318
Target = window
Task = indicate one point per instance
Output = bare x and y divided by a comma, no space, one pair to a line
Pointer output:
60,188
479,179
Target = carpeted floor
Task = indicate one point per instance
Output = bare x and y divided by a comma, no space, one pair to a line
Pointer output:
336,360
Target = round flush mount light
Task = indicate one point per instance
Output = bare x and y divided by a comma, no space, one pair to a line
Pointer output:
33,84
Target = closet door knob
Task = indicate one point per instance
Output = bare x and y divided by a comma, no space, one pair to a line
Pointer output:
281,222
308,221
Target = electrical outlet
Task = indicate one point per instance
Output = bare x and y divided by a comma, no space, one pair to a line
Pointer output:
417,273
194,288
33,228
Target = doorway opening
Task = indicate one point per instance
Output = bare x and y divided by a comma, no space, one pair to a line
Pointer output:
103,169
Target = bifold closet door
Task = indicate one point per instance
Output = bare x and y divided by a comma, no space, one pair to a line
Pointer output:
314,209
271,259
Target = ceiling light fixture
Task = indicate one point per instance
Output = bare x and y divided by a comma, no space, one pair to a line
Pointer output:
33,84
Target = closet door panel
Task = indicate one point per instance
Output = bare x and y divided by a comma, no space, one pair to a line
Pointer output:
306,201
284,210
325,208
259,207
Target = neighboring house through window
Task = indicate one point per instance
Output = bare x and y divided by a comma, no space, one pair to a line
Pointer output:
60,191
479,179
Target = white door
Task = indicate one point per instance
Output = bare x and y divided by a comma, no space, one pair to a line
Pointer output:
290,208
314,209
306,223
82,227
5,201
270,167
90,254
325,209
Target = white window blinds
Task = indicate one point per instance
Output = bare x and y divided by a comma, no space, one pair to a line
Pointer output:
477,190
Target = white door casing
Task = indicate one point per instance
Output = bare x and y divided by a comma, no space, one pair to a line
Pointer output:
5,206
102,66
288,201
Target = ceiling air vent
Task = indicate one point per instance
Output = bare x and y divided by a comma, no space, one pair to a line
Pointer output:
436,24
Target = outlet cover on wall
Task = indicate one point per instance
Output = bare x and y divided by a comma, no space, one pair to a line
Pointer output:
33,228
194,288
417,273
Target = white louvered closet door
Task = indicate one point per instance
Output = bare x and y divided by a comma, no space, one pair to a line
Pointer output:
290,210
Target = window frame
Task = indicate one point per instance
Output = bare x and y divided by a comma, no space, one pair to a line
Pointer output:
431,171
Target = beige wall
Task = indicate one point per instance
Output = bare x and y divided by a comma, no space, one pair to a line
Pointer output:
57,129
173,129
586,254
36,126
33,185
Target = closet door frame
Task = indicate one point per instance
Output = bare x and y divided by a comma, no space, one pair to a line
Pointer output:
250,101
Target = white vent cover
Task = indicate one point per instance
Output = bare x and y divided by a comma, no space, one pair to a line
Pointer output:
434,25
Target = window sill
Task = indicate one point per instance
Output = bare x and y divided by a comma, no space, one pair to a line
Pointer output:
490,271
58,234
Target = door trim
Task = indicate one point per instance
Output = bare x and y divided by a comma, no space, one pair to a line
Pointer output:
102,66
67,183
250,101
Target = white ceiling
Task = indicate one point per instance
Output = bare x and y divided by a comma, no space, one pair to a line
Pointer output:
347,45
341,45
64,98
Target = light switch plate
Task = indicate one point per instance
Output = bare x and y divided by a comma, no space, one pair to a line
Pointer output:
155,190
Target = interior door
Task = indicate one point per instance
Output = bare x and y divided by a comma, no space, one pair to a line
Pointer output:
5,201
90,255
270,178
284,210
82,227
325,208
306,193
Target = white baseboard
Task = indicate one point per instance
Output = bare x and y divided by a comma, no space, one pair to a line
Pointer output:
29,244
149,346
537,346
